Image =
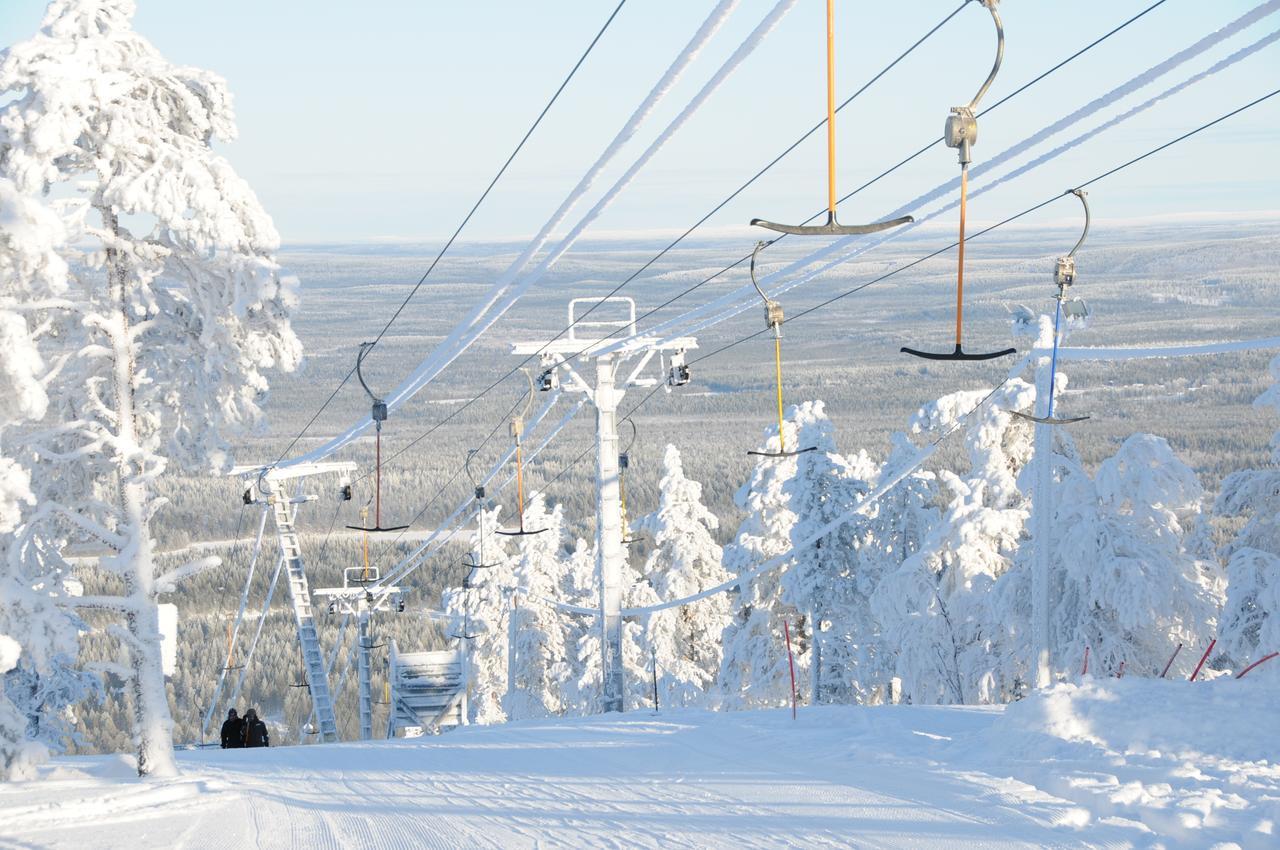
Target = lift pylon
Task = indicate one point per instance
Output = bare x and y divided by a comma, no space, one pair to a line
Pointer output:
356,599
611,384
268,484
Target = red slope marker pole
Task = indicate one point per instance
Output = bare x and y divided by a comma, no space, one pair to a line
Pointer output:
1170,664
786,630
1261,660
1203,659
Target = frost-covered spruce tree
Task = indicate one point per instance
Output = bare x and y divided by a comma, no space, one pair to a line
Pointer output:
1250,625
685,560
1124,576
931,607
33,285
753,670
832,579
481,608
38,680
579,586
540,655
183,306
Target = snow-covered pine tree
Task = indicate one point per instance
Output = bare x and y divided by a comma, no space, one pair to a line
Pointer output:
541,657
753,669
1250,624
33,283
582,688
685,560
1124,576
931,607
38,680
481,608
832,580
182,303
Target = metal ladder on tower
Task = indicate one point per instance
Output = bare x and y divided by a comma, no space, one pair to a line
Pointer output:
308,638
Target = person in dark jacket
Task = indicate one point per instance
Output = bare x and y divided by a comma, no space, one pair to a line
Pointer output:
232,732
255,731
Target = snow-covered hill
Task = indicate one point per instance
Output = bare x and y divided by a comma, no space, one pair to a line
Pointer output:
1107,763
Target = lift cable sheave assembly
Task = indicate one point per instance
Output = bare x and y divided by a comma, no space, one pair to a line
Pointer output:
1064,275
961,133
773,319
832,227
379,415
483,503
624,463
517,434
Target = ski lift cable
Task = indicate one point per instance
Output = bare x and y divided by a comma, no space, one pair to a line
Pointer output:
744,292
1104,175
500,303
502,295
672,327
1023,89
257,633
982,232
466,219
689,231
458,411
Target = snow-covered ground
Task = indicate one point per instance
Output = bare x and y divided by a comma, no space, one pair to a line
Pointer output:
1104,764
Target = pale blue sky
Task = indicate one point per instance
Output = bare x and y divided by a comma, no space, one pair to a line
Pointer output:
386,119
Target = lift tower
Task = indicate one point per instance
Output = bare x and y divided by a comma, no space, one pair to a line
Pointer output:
268,484
569,353
358,599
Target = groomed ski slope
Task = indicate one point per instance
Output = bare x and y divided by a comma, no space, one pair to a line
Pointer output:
1104,764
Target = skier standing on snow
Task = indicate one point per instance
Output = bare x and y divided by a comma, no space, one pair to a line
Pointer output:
255,731
232,731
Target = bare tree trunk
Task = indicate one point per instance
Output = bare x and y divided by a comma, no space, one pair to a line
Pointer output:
152,722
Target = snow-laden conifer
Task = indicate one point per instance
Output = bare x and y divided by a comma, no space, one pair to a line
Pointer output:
579,586
1250,626
38,680
1124,577
685,560
182,306
540,654
482,609
931,607
833,579
753,670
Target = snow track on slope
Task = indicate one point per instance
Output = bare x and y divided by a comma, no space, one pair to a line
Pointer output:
838,777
